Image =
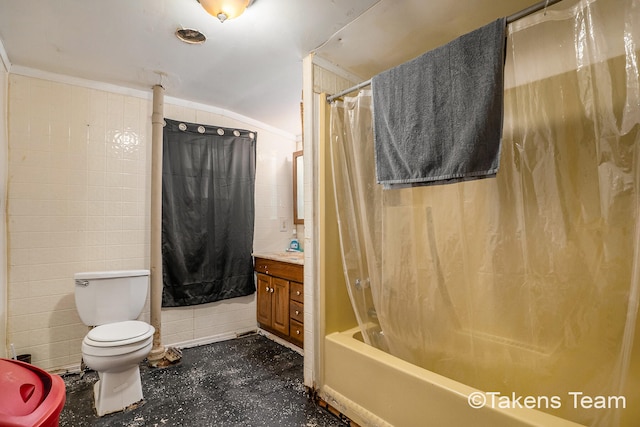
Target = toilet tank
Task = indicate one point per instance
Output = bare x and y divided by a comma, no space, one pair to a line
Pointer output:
110,296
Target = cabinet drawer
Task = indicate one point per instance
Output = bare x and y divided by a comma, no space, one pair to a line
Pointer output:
284,270
297,292
296,311
296,332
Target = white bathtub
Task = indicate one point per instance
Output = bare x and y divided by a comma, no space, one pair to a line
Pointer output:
374,388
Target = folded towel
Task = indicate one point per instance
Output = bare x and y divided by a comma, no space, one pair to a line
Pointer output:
438,117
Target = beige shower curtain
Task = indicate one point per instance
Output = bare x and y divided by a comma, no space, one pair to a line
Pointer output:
526,284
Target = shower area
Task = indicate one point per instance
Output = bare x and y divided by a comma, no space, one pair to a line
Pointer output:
489,292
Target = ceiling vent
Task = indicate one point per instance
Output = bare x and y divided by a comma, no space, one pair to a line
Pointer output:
190,36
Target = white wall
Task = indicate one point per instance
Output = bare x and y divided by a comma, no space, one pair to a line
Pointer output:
4,153
78,200
318,77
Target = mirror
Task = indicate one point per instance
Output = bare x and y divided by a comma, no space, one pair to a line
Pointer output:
298,188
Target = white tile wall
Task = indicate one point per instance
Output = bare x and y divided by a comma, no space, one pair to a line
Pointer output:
78,200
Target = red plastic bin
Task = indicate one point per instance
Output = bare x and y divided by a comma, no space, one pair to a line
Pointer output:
29,396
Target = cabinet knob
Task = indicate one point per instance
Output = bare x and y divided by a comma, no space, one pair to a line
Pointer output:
297,292
297,332
271,290
297,312
267,289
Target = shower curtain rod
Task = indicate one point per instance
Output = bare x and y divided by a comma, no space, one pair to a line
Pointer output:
511,18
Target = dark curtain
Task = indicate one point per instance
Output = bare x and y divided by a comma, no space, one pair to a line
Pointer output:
208,183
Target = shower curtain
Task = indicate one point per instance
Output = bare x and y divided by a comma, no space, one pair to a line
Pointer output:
526,284
208,185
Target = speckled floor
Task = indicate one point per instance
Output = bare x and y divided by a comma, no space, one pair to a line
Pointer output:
249,381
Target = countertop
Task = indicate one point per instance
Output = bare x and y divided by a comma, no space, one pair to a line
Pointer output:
290,257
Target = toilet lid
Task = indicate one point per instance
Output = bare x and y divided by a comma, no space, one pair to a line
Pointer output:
119,331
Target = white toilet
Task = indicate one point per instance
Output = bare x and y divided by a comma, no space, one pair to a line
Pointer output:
111,301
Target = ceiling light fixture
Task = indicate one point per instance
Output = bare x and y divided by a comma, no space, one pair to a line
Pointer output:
225,9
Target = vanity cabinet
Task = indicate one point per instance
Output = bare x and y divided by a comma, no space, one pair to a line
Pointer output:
280,303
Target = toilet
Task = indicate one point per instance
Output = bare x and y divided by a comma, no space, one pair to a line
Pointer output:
111,301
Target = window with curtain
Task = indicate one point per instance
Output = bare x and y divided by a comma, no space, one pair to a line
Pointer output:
208,185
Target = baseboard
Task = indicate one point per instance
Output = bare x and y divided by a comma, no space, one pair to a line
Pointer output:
68,369
212,339
346,409
280,341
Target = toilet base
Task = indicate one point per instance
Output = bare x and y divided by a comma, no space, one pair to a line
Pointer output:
115,391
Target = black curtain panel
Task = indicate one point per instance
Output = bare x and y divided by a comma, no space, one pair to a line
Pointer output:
208,184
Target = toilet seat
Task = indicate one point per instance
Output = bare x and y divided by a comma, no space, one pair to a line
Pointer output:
118,338
119,333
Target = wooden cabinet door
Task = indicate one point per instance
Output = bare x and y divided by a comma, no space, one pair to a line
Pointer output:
264,303
280,319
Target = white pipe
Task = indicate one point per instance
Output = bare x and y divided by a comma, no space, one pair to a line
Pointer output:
157,123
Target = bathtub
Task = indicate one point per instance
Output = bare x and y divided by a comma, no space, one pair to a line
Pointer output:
374,388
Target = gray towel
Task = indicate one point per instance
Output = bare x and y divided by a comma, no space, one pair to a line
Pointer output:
438,117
